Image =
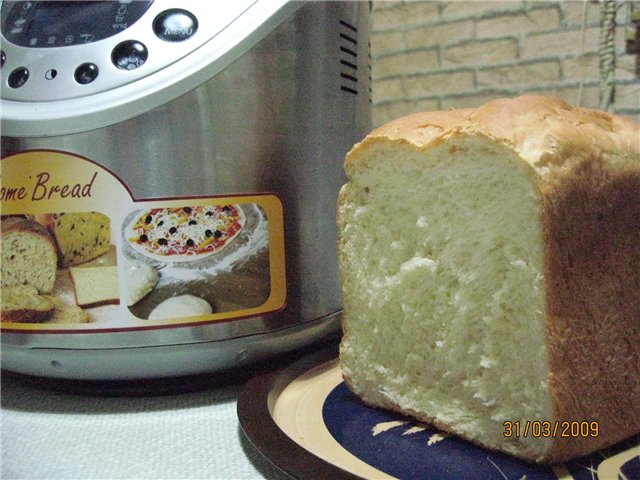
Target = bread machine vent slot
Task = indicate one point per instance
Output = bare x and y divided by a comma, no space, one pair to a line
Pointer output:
369,68
348,58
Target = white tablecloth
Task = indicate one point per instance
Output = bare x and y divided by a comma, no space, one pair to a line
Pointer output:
54,435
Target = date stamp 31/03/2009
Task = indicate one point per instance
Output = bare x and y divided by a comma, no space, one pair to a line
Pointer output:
547,429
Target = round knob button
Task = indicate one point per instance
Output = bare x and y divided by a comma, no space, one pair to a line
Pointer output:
175,25
18,77
86,73
129,55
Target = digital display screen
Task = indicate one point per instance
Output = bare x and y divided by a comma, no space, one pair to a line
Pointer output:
68,18
63,23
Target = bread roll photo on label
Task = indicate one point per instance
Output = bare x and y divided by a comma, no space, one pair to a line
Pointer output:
186,305
139,279
490,270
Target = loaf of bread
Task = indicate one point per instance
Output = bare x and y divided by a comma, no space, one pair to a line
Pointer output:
28,254
79,236
23,304
95,286
490,265
65,312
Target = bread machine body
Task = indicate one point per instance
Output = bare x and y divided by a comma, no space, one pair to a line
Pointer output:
183,159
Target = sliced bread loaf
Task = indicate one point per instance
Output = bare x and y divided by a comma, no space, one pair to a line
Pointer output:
65,312
95,286
23,304
28,254
490,263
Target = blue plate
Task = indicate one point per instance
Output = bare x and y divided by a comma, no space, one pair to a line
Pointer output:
402,448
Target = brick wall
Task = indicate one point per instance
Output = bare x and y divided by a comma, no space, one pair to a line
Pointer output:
429,55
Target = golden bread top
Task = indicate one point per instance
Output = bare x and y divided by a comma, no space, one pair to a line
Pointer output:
543,130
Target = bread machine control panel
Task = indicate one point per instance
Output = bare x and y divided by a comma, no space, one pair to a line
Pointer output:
56,50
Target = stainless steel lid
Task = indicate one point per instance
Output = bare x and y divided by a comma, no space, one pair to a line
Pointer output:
86,81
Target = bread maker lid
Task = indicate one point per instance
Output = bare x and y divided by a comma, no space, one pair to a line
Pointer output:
98,75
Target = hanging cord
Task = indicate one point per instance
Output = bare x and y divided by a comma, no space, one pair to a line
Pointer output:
607,52
583,29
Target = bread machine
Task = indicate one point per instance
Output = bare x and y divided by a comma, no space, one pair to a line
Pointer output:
184,160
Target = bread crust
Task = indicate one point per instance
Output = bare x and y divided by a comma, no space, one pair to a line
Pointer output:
545,131
21,224
26,315
23,304
591,228
587,166
77,288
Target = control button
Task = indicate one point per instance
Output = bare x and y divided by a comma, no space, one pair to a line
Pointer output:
18,77
86,73
3,58
129,55
175,25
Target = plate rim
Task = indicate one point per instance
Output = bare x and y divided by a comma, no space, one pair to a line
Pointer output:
254,407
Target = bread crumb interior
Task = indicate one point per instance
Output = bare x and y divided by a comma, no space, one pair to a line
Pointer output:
442,267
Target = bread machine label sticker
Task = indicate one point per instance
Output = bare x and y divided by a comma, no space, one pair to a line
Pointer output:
80,253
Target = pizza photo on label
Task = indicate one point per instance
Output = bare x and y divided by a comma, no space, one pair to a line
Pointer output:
196,260
185,233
